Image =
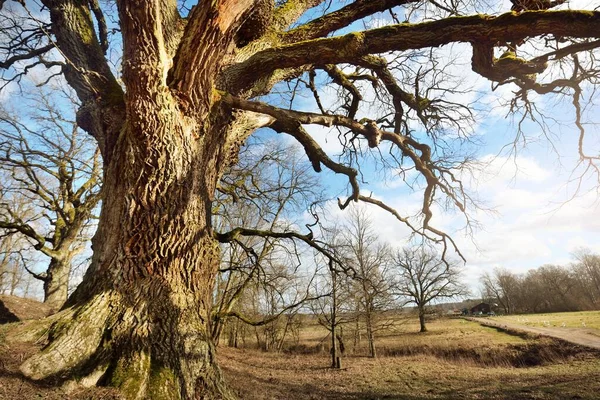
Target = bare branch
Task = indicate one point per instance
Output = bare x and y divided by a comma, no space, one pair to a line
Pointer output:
308,239
272,318
472,29
341,18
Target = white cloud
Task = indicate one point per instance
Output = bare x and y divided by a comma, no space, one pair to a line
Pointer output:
532,226
327,138
511,170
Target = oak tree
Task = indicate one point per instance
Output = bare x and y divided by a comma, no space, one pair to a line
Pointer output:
368,257
424,278
266,191
12,247
587,272
171,118
338,306
12,272
52,188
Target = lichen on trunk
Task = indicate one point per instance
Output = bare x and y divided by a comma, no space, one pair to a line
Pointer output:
140,320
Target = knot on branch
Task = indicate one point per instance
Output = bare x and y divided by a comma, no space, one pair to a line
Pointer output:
506,67
373,134
257,22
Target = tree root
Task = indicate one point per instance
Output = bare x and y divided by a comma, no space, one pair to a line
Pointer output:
29,331
73,338
148,351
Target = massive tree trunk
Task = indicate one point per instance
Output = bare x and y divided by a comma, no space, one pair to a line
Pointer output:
142,312
140,319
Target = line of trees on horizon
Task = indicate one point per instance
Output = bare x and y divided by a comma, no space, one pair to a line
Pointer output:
548,288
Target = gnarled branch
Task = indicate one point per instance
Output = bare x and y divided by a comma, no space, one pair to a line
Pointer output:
472,29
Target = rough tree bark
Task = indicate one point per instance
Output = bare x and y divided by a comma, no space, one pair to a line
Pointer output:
56,282
140,318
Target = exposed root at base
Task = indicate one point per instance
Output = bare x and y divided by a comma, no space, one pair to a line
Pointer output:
73,338
166,354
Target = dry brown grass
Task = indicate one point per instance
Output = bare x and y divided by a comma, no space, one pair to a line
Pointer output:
260,376
13,308
457,359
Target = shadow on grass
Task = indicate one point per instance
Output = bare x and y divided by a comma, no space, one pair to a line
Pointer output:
249,386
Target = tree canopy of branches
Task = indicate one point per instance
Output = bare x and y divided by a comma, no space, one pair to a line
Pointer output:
502,286
364,253
423,277
172,117
12,273
266,191
53,177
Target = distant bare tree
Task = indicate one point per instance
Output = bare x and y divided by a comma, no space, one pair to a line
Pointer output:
335,309
587,272
503,287
332,320
13,247
423,277
533,296
53,185
11,271
368,259
257,282
559,285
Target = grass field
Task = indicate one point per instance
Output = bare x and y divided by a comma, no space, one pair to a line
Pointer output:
583,319
255,375
456,359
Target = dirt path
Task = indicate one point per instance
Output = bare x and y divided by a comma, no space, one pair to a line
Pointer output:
581,336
